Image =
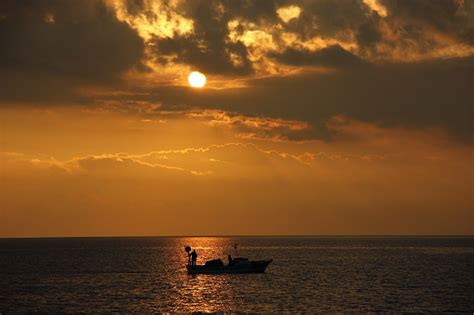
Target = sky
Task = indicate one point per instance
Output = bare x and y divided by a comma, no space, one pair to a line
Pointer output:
319,117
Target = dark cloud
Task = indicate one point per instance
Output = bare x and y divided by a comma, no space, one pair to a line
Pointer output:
329,18
448,16
439,13
62,43
434,94
211,57
134,7
332,56
254,10
49,48
369,33
208,48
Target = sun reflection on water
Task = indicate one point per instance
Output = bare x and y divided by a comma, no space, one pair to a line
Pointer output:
204,293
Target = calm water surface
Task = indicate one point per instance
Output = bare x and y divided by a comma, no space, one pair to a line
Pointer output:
308,274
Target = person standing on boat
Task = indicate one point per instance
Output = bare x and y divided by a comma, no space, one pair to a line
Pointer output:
231,261
194,256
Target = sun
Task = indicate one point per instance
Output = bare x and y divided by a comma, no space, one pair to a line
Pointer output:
197,79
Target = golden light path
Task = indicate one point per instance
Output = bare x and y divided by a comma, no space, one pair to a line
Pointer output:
197,79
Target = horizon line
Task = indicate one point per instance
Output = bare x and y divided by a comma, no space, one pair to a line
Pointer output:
244,236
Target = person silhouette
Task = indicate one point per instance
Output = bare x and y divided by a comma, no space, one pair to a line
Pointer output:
187,249
194,256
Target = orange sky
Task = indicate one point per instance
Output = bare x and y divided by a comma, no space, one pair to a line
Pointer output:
321,117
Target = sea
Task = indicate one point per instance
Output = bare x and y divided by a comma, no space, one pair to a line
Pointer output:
308,274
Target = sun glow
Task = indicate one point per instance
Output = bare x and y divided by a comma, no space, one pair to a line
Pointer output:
197,79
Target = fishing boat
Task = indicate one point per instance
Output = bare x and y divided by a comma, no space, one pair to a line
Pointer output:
239,265
216,266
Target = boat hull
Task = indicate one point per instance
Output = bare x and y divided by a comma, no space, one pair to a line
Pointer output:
250,267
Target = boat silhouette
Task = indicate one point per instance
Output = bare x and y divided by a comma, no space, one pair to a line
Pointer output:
239,265
216,266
